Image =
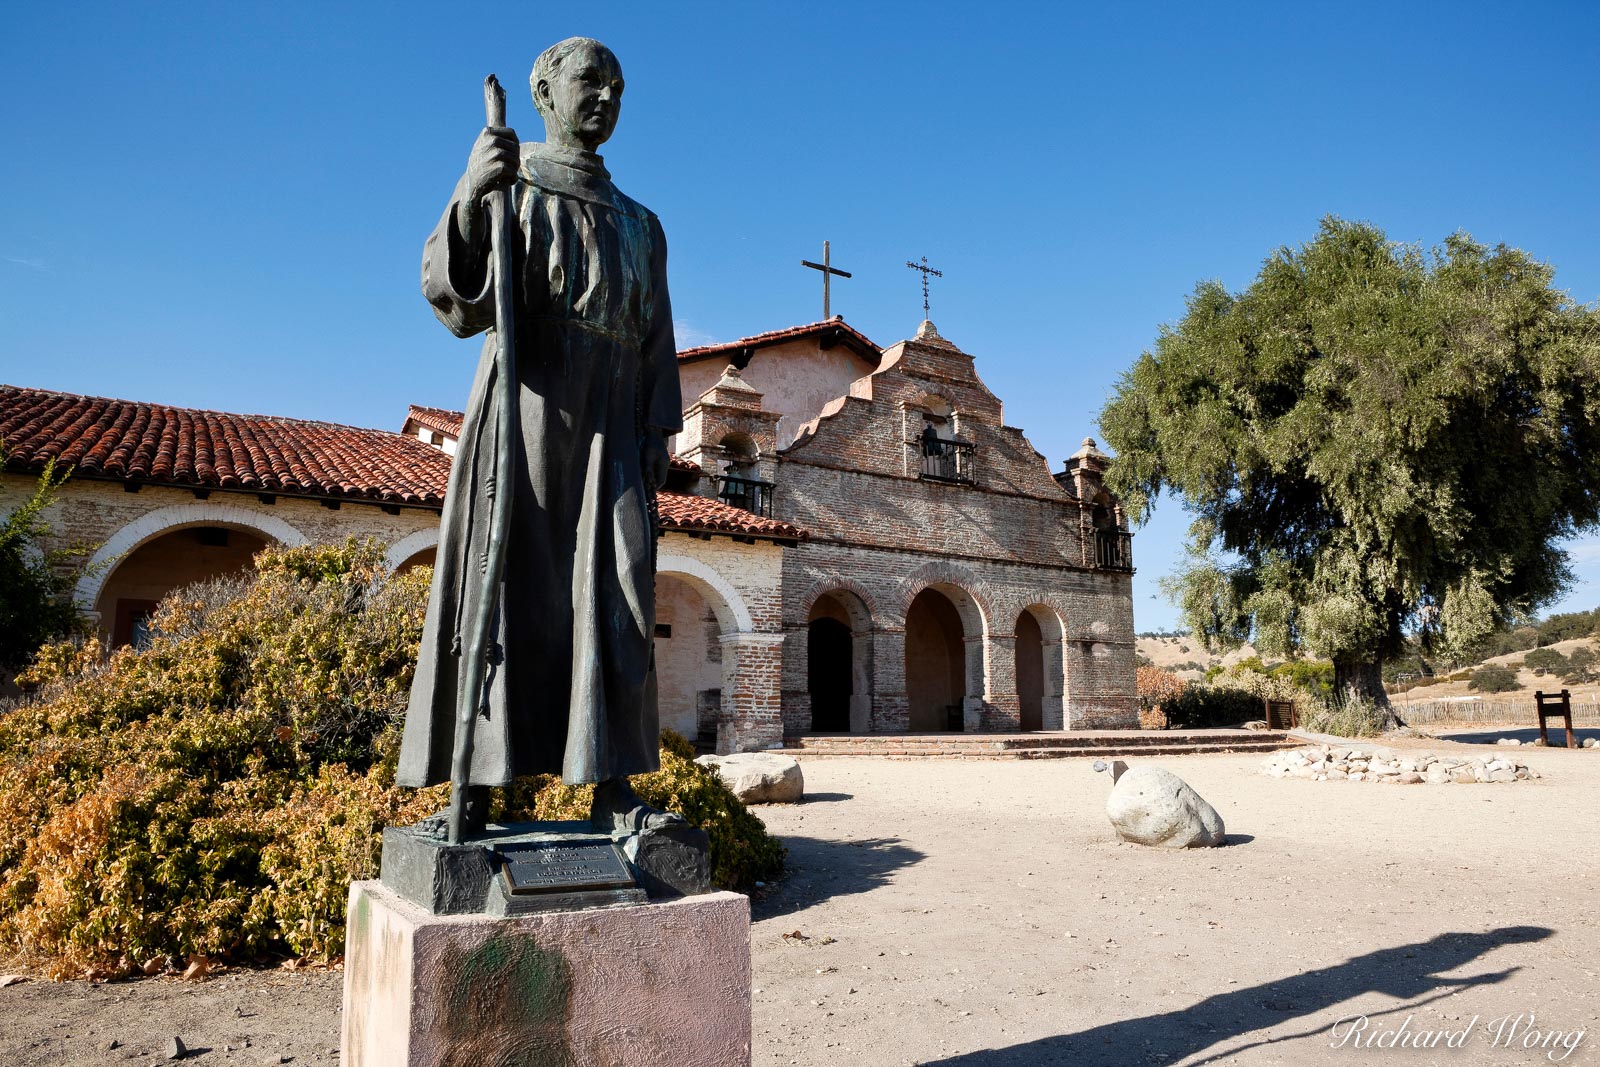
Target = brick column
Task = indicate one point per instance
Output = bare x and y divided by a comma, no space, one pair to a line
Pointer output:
752,676
891,710
1100,694
1001,707
796,692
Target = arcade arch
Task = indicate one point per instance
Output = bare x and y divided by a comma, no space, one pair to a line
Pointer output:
166,549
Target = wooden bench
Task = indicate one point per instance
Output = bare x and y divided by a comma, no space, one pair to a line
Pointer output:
1551,706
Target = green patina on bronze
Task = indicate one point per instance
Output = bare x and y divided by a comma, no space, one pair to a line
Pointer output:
508,1005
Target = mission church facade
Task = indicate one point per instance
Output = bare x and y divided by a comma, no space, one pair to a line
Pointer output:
852,538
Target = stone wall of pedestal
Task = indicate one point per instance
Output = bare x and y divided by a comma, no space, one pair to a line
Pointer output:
652,985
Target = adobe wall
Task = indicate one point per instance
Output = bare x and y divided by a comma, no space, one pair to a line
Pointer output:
797,379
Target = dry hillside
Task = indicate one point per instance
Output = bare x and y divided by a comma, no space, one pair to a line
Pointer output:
1187,655
1584,694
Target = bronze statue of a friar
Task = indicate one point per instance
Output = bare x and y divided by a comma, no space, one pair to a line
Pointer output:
536,653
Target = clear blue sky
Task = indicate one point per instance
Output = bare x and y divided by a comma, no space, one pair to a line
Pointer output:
224,205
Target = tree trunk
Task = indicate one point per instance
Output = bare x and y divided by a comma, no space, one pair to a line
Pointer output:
1361,678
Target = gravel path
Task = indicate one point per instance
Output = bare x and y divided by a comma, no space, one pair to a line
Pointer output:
981,914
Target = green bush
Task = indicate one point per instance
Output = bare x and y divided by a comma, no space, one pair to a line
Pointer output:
1493,680
1200,707
1581,666
215,793
36,580
1542,661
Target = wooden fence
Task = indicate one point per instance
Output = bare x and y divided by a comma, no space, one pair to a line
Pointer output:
1585,711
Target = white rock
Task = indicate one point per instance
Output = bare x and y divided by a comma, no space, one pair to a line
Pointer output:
1591,742
1152,806
759,777
1504,775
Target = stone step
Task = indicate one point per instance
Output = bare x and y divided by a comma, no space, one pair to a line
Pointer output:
1164,743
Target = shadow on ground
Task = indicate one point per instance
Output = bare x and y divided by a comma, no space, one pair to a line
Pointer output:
1415,973
1558,735
819,869
827,798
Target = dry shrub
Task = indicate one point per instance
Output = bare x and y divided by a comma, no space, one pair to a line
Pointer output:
215,793
1157,689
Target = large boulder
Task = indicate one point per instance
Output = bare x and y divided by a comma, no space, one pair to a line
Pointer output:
1151,806
759,777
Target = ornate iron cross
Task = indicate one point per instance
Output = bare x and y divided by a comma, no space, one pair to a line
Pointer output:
926,270
827,270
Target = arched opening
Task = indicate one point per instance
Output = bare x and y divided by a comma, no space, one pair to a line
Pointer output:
739,454
935,663
1041,668
830,667
688,651
164,563
425,558
1030,672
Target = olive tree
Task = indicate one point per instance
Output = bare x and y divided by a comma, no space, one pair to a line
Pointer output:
1373,440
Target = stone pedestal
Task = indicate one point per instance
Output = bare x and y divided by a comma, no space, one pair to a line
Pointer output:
634,986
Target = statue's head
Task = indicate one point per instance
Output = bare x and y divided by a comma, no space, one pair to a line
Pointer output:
577,87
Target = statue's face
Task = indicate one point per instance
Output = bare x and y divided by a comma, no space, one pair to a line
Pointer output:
585,95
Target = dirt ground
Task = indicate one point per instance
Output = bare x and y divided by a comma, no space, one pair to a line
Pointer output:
982,914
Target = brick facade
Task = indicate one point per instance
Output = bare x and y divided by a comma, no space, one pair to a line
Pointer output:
1005,539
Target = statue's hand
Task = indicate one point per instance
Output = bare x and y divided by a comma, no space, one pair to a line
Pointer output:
653,459
493,163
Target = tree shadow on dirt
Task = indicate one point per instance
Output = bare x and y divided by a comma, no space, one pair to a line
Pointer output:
819,869
1415,974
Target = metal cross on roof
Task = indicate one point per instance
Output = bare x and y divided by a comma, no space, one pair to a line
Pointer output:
827,270
926,270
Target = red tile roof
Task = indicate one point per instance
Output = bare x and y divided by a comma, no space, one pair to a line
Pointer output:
156,444
445,422
449,422
127,441
840,331
680,511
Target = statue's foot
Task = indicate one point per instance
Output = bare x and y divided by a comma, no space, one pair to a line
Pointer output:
475,817
617,807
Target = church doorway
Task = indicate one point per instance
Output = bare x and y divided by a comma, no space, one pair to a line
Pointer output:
163,564
1030,671
839,663
828,674
935,663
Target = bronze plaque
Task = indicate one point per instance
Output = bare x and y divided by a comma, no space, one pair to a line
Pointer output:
546,868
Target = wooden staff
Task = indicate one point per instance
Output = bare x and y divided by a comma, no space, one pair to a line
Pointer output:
475,693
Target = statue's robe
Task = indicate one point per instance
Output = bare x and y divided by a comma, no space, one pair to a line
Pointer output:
595,365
